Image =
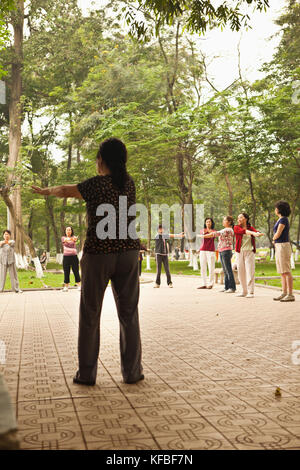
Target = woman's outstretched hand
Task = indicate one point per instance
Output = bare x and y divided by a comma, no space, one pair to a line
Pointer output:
42,191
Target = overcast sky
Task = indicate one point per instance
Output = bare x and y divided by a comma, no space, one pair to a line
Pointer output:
256,45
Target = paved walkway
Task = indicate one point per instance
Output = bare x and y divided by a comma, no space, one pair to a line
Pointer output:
212,363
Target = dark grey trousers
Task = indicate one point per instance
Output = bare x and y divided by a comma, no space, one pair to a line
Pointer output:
165,260
123,271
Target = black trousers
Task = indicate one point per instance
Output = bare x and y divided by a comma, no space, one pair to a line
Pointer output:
68,263
123,271
162,259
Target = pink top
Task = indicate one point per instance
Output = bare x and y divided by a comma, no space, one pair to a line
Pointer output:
208,243
69,247
226,239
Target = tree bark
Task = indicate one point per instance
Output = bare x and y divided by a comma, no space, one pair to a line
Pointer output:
69,164
254,204
52,220
269,233
15,122
80,215
30,223
230,193
47,238
18,224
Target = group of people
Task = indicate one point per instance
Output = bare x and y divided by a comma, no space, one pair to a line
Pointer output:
8,261
118,260
241,237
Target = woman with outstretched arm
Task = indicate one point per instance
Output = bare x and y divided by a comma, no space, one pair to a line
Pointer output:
225,248
107,256
245,246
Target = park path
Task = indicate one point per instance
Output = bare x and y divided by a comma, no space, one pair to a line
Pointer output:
211,361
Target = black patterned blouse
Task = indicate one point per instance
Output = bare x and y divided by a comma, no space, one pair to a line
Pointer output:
100,190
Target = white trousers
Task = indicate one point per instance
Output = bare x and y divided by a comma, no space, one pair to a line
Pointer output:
246,271
13,276
207,258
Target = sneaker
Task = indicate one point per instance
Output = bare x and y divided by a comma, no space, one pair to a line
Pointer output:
171,285
229,291
241,295
288,298
280,297
156,286
210,287
223,290
65,289
19,291
249,296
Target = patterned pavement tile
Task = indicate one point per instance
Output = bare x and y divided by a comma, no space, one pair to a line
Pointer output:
102,404
176,425
211,371
112,429
252,423
44,408
285,419
151,398
273,439
191,441
124,443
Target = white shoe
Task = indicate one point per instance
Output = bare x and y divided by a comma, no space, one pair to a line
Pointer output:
241,295
171,285
156,286
65,289
223,290
19,291
79,288
249,296
229,291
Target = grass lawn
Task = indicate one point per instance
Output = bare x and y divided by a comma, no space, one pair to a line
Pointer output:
29,280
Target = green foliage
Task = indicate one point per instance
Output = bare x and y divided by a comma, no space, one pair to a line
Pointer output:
200,14
84,80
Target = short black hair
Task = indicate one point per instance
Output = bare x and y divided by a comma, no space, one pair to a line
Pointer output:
71,229
160,226
283,208
6,231
212,222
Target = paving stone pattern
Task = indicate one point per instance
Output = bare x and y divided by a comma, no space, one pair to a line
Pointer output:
212,363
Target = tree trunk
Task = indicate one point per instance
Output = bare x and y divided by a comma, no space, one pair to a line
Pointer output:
15,121
253,199
47,238
53,224
298,233
62,217
149,226
30,223
38,267
230,193
69,164
294,207
80,215
269,233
